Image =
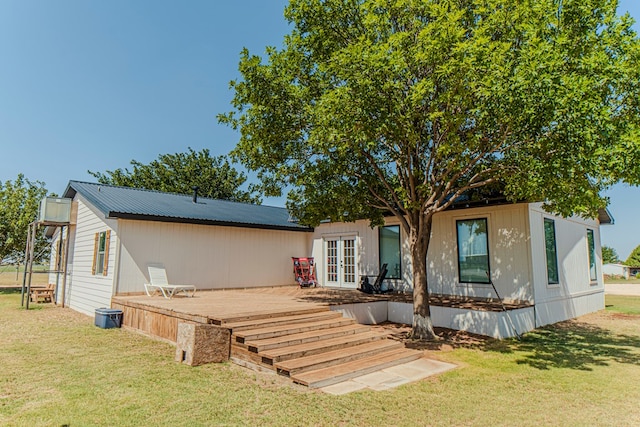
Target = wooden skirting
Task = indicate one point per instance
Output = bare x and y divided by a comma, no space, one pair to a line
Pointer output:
153,321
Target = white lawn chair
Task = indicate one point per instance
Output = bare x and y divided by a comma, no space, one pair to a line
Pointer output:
160,284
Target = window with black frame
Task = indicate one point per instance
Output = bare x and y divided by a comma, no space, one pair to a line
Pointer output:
592,256
551,251
473,251
389,245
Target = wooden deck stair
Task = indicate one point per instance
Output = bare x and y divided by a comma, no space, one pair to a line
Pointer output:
313,348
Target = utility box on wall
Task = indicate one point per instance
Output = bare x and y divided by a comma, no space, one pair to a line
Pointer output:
55,209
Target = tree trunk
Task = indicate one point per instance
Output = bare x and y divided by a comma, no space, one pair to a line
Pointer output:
420,236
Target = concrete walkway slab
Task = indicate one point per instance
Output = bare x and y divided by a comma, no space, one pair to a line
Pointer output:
629,289
389,378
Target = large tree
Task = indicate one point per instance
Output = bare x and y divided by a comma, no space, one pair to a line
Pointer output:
180,172
634,258
609,255
401,107
19,205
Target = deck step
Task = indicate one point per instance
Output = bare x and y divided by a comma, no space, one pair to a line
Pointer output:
346,371
270,357
257,346
335,357
268,314
243,336
281,319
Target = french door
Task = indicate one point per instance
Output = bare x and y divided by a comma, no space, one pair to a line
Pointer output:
341,261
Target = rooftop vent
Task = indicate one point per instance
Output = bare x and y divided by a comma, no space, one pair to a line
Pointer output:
195,193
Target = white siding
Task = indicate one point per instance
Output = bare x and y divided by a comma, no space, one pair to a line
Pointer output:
85,292
209,257
509,256
575,294
366,246
495,324
508,248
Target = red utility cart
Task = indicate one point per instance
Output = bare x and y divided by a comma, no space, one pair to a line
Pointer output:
304,271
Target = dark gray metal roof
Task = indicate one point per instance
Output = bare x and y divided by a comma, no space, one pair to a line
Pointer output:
133,203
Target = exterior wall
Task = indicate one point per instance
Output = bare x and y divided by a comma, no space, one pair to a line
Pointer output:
366,246
209,257
576,294
496,324
509,252
85,292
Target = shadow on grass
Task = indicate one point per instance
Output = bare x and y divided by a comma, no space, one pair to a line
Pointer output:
571,345
566,345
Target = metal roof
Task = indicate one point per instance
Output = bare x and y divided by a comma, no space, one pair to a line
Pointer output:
134,203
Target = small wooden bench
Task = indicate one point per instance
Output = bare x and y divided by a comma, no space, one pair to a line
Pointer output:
42,294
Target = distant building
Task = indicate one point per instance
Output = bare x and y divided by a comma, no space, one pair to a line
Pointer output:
617,270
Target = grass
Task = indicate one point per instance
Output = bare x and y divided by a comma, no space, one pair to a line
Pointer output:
60,369
9,277
623,304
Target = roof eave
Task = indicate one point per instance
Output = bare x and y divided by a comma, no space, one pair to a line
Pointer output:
605,217
143,217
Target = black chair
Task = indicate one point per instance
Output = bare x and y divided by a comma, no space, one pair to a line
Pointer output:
376,288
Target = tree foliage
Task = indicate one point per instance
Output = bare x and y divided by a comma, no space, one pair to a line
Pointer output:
19,205
402,107
634,258
609,255
180,172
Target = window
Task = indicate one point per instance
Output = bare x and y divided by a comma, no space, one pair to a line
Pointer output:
101,253
550,248
389,247
473,251
332,260
592,256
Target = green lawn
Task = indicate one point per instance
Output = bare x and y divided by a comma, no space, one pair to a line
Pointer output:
623,304
57,368
10,276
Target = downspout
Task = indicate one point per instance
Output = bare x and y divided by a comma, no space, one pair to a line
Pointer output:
532,278
116,264
66,264
60,260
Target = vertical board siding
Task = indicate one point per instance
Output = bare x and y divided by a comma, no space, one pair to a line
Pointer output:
85,291
509,253
209,257
367,260
151,323
575,294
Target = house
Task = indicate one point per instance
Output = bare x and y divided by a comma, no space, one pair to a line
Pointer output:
616,270
521,251
527,254
212,244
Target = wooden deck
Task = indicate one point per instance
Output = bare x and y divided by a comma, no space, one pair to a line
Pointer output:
290,330
159,317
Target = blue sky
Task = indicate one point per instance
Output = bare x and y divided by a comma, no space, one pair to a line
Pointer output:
90,85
